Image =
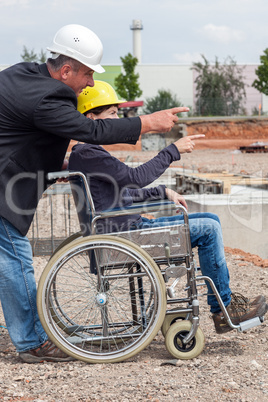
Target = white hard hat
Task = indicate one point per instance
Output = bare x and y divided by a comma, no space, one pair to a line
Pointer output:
79,43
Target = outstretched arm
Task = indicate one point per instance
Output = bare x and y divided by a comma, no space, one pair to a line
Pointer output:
161,121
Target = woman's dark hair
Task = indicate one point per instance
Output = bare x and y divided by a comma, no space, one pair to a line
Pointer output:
98,110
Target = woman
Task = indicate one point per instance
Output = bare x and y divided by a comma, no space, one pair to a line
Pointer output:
114,184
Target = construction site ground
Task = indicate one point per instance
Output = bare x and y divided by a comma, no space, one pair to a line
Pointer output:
209,156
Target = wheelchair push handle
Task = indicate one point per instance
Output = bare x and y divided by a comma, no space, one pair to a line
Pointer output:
64,174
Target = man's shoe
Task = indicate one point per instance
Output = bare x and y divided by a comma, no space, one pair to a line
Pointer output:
240,309
47,352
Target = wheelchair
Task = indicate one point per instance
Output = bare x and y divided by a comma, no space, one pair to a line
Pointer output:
103,298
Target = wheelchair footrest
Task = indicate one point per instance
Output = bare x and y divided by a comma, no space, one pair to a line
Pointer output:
250,323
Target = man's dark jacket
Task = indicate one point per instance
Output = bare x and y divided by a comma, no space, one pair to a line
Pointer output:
38,118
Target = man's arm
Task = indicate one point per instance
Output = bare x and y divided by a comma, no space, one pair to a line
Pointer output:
56,114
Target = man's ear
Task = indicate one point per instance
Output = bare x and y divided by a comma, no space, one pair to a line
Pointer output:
65,71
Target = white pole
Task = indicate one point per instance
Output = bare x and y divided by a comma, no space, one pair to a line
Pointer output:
137,27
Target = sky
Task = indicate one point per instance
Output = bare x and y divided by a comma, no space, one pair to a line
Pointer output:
174,31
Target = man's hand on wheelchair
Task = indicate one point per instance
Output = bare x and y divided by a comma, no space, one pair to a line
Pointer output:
186,144
176,197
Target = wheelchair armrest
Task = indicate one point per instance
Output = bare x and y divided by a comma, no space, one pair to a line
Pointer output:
142,208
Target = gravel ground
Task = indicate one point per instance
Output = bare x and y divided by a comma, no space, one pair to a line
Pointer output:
216,160
232,367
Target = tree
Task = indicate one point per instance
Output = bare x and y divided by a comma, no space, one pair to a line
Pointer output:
31,56
42,56
127,85
220,88
261,83
163,100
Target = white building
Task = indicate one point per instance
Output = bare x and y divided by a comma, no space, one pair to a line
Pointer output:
179,80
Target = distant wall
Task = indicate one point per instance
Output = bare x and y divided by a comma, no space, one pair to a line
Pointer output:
179,79
111,72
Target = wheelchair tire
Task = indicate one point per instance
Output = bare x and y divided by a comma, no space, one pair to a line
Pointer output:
170,319
69,239
175,346
102,318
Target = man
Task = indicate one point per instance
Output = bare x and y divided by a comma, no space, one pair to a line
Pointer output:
114,184
38,117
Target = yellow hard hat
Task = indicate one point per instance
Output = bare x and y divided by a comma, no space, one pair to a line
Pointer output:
101,94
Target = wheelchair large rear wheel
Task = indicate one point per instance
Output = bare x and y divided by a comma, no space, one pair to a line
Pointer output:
104,316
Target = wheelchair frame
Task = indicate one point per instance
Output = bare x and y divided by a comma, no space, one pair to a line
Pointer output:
103,298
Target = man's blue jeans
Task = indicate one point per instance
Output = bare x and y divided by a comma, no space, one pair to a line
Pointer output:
206,234
18,289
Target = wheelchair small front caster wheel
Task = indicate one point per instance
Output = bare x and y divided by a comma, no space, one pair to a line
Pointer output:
174,341
170,319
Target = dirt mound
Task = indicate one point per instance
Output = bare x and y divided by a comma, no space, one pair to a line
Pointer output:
248,257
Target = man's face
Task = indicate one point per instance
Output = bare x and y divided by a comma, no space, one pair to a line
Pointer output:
81,79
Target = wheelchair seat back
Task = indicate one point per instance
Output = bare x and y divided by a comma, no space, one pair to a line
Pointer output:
83,203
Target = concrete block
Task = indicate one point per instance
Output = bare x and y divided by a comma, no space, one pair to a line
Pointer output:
153,142
243,215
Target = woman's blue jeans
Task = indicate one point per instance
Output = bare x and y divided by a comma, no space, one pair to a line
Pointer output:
206,234
18,289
